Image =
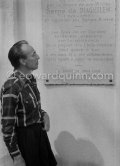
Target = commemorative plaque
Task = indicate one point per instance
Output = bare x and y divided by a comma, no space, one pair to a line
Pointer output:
78,41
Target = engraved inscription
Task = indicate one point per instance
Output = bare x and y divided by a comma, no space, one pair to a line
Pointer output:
79,35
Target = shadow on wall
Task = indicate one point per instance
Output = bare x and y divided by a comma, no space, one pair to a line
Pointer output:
72,152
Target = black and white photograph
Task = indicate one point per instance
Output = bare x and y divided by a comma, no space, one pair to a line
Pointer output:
59,83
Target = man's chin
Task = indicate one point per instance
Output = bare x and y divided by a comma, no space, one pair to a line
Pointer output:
35,68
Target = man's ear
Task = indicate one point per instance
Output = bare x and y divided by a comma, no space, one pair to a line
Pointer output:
22,62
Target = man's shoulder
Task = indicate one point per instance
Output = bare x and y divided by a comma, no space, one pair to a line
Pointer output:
12,82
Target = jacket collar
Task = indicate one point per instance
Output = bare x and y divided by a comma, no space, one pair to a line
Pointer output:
24,78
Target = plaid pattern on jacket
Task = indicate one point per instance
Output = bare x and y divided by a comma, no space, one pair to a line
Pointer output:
20,107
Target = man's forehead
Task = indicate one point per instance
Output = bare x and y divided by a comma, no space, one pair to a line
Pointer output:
26,48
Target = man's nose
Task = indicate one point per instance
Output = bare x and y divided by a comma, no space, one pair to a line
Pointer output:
38,57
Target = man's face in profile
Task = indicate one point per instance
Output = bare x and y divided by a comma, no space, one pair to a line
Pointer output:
31,60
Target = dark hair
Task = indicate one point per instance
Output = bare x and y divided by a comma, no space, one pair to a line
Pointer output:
16,53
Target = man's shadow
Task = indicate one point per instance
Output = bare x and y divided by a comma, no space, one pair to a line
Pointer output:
76,152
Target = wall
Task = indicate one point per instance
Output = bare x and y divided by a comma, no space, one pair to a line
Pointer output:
84,119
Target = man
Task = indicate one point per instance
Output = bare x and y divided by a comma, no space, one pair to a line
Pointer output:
24,123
